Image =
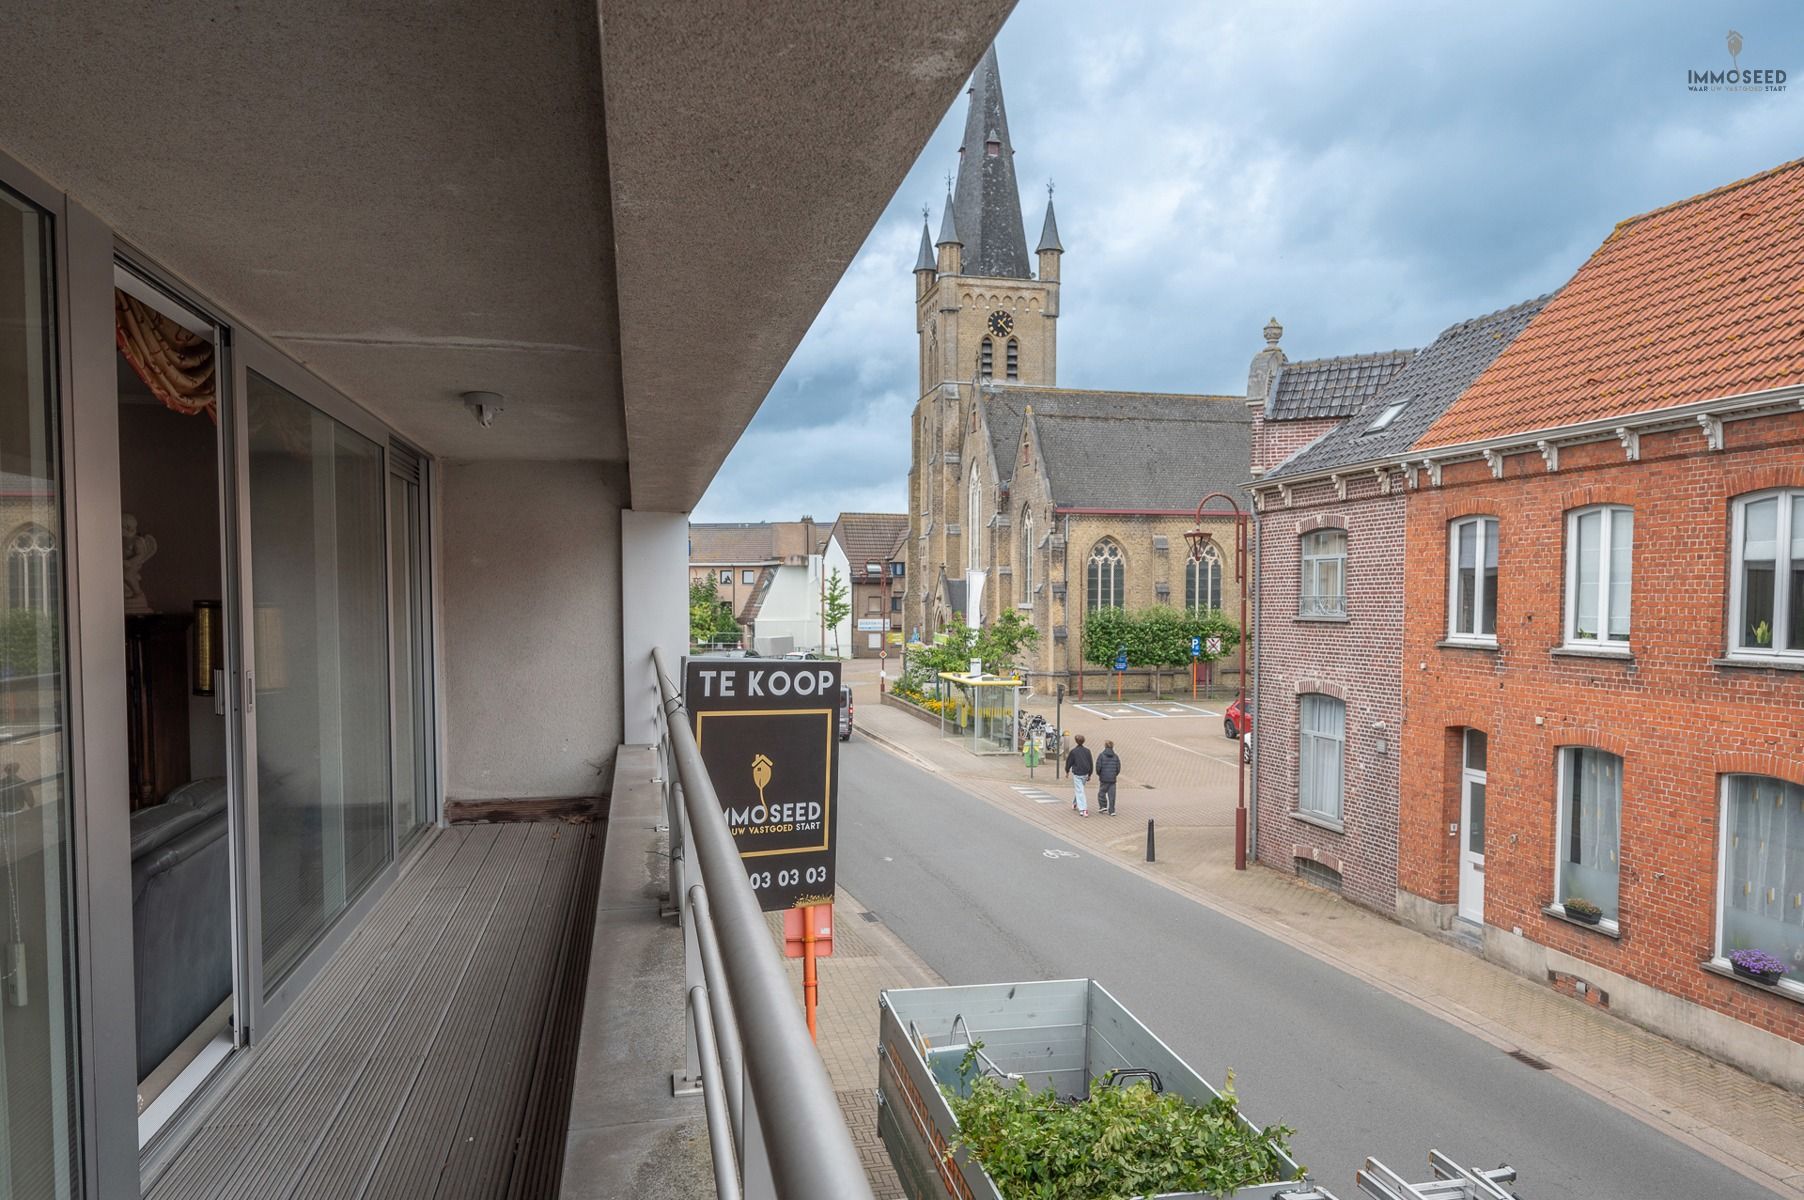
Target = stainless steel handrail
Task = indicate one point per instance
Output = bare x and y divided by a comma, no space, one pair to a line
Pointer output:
804,1132
726,1178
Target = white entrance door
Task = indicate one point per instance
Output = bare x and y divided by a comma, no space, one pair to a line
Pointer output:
1472,829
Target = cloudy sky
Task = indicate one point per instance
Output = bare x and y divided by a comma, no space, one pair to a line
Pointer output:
1367,173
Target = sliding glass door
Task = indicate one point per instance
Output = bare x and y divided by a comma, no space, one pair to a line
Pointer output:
408,626
37,1076
320,669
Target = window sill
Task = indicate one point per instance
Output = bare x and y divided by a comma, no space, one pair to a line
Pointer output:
1328,823
1610,929
1583,651
1794,992
1758,663
1324,618
1467,644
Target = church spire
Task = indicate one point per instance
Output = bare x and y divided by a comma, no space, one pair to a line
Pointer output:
987,201
1049,232
948,227
924,259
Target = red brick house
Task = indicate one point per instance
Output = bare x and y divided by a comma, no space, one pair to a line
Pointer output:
1329,626
1603,664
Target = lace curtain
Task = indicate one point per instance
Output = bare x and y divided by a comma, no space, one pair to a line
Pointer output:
1763,901
1593,825
176,365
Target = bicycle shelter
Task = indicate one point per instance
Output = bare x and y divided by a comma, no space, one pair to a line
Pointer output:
979,710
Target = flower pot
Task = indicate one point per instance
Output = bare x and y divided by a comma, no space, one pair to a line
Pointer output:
1584,918
1767,977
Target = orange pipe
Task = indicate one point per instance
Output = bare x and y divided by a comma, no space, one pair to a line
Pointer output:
810,985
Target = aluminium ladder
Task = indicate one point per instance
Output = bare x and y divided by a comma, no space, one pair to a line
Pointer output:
1451,1182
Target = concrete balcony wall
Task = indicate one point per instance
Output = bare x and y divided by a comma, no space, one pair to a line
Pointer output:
530,588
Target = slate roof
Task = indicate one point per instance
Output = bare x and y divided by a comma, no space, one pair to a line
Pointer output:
732,544
1049,230
1434,379
870,537
986,200
1163,454
1691,302
924,260
1004,407
1331,387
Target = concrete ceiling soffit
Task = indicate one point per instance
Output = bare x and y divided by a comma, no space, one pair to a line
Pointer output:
751,149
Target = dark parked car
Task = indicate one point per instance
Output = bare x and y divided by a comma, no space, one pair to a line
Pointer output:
845,713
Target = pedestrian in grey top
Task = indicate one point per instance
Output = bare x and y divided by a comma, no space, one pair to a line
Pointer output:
1108,770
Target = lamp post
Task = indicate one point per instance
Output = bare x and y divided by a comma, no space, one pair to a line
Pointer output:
1196,537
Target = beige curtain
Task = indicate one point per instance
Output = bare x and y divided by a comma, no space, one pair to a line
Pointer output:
176,365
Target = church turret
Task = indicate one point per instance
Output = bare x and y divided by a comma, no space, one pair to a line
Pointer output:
1049,248
925,266
950,247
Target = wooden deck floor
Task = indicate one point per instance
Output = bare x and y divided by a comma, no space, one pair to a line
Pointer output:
433,1055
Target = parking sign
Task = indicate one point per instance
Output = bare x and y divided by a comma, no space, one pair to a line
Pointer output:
1196,647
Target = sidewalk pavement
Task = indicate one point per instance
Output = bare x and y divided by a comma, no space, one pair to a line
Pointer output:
1182,773
867,958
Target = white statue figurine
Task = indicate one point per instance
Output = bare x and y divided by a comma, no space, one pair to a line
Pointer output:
139,549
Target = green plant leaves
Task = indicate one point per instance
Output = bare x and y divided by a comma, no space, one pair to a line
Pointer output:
1122,1142
1155,637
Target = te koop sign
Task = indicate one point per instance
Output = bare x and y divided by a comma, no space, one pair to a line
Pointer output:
768,730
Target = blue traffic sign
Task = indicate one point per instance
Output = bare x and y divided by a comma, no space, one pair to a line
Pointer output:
1121,660
1196,647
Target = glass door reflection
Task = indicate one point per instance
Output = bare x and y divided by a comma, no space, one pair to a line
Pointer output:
320,669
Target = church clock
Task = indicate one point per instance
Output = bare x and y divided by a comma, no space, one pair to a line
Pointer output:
1001,323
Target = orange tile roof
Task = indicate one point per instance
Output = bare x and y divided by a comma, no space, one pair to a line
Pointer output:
1698,300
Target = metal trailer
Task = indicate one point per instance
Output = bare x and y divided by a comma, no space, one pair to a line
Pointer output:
1061,1034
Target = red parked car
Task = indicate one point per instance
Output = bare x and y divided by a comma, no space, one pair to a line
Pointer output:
1236,721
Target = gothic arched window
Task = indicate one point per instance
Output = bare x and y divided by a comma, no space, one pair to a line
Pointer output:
1202,580
1014,359
1027,555
973,515
31,568
1103,576
986,359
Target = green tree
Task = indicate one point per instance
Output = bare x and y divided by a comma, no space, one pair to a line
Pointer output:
836,606
952,650
1000,643
703,605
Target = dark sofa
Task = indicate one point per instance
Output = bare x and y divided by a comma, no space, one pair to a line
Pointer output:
181,916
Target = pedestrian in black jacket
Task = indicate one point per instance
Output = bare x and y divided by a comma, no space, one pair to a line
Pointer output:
1079,765
1108,770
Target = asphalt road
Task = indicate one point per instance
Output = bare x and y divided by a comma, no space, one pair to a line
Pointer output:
1358,1072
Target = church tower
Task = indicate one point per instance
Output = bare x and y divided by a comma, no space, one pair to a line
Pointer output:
980,310
981,313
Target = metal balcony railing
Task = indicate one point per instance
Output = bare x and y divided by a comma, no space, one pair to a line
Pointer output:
774,1125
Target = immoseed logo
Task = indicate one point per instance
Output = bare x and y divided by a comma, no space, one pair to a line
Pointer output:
1737,78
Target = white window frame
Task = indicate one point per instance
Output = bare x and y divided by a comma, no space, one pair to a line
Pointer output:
1454,633
1027,557
1202,580
1311,603
1782,567
726,576
1106,551
1613,519
973,507
1794,982
1563,797
1310,742
748,578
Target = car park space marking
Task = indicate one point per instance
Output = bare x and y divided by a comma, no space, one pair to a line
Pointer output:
1195,751
1149,712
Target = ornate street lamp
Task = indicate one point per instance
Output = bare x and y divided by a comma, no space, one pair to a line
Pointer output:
1196,537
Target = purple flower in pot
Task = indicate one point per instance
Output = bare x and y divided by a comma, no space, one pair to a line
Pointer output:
1757,964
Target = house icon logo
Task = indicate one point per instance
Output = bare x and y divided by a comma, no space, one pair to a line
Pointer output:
1737,78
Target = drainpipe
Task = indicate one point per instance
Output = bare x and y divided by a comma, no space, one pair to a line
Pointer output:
1259,739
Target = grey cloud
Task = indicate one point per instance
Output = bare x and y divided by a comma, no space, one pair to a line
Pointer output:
1368,174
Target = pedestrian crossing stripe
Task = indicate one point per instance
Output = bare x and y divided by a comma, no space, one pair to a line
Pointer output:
1037,795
